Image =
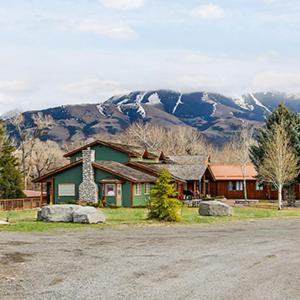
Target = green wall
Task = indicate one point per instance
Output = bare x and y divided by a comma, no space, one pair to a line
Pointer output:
140,200
105,153
100,175
72,175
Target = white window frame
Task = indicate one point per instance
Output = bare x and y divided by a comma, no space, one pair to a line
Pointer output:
236,185
147,189
66,194
259,186
138,189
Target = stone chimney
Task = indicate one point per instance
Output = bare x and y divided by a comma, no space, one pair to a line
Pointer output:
88,189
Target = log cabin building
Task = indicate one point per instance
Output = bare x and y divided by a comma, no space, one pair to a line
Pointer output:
228,181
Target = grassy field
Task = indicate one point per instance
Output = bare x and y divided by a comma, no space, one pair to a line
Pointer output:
25,220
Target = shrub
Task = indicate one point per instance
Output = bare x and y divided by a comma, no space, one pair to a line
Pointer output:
163,204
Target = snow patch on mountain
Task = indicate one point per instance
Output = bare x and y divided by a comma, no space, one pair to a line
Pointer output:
154,99
101,110
205,98
177,104
258,103
141,110
241,102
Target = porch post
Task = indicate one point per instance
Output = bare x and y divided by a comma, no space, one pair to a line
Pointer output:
42,192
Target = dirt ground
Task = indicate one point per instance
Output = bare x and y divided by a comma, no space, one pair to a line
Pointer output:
247,260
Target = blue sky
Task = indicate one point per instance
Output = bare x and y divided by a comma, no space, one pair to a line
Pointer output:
57,52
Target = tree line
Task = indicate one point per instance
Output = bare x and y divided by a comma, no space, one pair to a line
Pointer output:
274,149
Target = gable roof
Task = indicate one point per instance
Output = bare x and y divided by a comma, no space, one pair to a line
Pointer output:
185,172
123,171
57,171
232,172
131,150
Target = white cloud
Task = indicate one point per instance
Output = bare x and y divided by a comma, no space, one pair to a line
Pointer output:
13,86
277,80
120,31
12,93
209,12
123,4
92,89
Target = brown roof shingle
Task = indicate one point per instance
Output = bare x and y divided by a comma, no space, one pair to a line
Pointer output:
123,171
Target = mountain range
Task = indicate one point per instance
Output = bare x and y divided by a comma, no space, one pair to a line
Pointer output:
217,116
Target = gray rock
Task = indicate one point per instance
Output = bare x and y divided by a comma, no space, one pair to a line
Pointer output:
4,222
88,215
214,208
57,213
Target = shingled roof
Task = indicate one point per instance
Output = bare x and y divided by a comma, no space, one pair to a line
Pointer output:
188,159
123,171
184,172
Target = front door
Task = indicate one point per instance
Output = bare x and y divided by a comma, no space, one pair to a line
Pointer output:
110,194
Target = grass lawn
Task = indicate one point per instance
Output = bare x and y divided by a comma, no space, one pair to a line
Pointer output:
25,220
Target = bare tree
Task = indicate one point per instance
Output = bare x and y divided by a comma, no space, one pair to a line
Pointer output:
44,157
27,138
242,146
177,140
279,167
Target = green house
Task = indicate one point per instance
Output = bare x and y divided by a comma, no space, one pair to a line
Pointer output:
100,171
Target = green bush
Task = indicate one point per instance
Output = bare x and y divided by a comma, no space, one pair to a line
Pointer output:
163,204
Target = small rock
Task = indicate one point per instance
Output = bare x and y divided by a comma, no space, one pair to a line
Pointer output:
57,213
214,208
88,215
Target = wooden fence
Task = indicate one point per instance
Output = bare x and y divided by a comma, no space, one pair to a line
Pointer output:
22,203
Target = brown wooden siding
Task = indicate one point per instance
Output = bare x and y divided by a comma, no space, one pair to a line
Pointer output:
221,188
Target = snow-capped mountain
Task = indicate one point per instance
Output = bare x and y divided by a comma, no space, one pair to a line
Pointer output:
218,117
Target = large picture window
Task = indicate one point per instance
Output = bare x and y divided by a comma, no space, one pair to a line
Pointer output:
66,190
235,185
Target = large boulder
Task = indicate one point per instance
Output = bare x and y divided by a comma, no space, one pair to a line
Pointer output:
88,215
214,208
57,213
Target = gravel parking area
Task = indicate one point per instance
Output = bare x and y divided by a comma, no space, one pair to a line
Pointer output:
244,260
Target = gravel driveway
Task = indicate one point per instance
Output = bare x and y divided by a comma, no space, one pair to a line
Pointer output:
249,260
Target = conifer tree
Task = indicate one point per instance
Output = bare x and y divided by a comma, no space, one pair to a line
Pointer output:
291,124
163,204
10,177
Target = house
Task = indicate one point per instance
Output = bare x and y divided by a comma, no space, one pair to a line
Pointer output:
118,174
189,171
228,181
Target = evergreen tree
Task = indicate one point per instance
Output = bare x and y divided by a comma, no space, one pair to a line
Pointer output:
291,124
10,177
163,204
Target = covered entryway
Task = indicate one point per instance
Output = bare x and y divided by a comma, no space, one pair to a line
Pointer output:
111,192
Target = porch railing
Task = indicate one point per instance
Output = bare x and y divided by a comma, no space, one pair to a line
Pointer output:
22,203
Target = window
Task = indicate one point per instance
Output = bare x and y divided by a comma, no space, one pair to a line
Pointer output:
259,186
66,190
147,188
235,185
110,190
138,189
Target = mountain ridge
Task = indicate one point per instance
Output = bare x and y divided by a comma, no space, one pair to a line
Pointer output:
217,116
